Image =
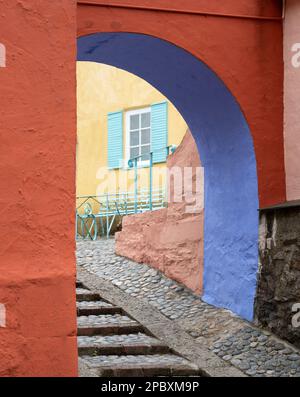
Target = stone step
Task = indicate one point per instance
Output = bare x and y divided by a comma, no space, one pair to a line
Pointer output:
83,294
133,344
107,325
112,344
82,290
140,365
87,308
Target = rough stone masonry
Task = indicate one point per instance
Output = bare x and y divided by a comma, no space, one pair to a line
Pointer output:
278,293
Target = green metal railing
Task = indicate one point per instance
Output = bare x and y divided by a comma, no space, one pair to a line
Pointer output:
91,223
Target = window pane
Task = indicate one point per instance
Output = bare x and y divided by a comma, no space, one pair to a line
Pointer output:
145,149
145,137
145,120
135,122
134,138
134,152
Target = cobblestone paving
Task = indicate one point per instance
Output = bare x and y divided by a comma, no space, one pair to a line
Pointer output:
258,354
254,351
116,339
94,320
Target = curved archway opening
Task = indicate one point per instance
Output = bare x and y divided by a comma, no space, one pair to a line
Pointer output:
226,150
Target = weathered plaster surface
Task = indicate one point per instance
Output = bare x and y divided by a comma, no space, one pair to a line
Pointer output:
247,7
170,240
37,127
292,98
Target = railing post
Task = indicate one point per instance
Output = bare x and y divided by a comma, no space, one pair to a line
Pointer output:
151,182
107,222
76,226
168,150
135,185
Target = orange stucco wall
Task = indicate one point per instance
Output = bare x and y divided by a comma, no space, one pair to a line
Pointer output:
37,180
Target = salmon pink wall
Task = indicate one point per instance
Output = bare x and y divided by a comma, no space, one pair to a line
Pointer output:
171,239
37,179
292,98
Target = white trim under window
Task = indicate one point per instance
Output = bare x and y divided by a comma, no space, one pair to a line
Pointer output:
138,135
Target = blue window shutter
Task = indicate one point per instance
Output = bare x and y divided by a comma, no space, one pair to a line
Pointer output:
159,131
115,140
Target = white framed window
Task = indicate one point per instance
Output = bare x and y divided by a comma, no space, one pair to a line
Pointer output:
138,135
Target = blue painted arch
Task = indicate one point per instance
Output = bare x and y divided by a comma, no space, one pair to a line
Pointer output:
226,150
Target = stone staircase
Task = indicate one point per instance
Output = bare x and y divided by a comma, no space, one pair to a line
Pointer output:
110,343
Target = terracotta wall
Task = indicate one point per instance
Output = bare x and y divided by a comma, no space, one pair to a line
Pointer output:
291,98
247,54
170,240
37,179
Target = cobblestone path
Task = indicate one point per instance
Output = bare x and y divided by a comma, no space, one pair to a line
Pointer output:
112,344
251,350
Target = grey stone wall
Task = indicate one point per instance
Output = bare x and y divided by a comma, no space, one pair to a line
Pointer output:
279,272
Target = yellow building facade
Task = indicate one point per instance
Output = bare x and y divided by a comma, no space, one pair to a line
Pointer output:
103,92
